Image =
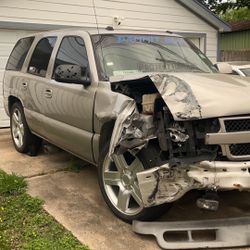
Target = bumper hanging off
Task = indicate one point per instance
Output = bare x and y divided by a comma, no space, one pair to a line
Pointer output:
233,232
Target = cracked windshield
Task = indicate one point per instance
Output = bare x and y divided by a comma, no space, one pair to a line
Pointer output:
128,54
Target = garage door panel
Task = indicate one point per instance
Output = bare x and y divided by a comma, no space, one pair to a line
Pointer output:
3,62
8,38
5,49
2,113
1,86
5,120
1,74
1,101
11,36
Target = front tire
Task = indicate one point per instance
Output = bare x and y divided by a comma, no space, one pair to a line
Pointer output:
23,140
119,187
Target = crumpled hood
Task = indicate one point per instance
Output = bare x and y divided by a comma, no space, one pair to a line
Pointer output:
199,96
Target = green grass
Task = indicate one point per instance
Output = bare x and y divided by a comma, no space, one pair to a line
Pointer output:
25,225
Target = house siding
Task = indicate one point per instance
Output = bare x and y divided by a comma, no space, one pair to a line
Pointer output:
146,15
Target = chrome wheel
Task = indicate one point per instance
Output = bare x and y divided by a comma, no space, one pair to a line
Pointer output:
17,128
120,183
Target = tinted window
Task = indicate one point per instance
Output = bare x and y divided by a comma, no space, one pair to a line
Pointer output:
41,55
72,51
19,54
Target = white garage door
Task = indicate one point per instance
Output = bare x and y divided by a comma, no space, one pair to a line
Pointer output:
8,38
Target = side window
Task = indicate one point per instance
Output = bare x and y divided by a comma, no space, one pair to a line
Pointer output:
72,51
41,56
19,54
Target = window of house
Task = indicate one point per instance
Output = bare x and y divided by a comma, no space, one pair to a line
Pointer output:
19,54
72,51
40,59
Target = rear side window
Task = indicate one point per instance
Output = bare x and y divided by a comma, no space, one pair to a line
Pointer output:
19,54
40,59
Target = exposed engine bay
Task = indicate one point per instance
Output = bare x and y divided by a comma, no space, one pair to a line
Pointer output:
183,150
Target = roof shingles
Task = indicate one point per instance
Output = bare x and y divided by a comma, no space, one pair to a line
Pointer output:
240,25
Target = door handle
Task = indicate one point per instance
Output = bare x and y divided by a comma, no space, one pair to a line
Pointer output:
48,93
24,85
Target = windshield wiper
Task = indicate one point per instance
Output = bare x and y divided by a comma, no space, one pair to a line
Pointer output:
162,59
187,63
165,61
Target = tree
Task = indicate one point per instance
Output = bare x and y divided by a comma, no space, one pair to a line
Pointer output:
211,4
221,7
234,15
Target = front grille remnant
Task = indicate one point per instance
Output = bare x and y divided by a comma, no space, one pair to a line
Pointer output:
240,149
237,125
237,150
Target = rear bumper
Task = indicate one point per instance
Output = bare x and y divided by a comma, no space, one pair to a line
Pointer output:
232,232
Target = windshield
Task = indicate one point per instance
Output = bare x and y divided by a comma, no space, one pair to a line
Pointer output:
127,54
246,71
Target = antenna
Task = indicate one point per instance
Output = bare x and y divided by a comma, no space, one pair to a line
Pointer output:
95,16
97,26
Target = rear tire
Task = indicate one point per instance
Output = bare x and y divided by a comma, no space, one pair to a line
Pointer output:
119,187
23,140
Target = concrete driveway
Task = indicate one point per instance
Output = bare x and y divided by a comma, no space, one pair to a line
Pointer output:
74,199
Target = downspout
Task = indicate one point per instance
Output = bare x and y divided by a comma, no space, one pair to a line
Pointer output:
218,46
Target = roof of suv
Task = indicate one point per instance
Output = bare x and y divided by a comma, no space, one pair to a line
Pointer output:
94,31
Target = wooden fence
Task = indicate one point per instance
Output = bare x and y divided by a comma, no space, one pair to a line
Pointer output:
230,55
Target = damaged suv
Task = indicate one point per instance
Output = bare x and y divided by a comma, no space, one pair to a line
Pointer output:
149,109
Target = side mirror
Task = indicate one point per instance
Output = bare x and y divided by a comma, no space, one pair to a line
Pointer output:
224,68
70,73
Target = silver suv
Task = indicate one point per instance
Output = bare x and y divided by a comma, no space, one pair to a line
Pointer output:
149,109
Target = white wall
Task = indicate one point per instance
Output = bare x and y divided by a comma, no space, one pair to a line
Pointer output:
138,14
